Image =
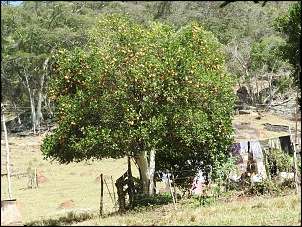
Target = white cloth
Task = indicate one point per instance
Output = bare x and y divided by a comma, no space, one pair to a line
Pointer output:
256,150
244,147
275,143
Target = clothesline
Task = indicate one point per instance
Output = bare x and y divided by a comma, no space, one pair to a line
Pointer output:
285,134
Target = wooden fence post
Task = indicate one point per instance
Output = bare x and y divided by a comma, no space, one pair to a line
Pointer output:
102,197
7,154
130,183
295,141
170,186
113,192
175,196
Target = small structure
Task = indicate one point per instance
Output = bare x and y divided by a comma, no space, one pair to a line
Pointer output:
10,213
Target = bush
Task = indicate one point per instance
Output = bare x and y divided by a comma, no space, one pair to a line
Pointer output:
143,200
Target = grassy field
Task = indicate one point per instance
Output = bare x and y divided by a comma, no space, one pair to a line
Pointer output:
75,183
74,187
282,211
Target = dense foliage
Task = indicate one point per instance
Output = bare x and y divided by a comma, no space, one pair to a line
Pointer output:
134,88
290,24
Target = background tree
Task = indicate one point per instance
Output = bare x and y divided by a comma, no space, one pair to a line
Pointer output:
137,90
266,62
30,33
239,26
228,2
290,25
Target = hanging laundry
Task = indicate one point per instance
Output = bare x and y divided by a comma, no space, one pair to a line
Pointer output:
244,147
286,144
274,143
236,153
239,150
264,144
197,184
255,148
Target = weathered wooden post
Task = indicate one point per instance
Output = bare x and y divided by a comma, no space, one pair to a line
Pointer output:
130,183
10,213
102,197
113,192
170,186
7,154
120,192
295,143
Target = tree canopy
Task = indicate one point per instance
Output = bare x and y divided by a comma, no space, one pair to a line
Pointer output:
138,88
290,25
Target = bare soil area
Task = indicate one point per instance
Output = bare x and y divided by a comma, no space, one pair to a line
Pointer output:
265,125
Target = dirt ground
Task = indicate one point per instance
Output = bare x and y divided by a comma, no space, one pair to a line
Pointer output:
254,126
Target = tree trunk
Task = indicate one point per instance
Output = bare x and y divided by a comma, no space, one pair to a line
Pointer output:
142,163
151,171
33,113
270,91
17,113
32,104
247,75
146,171
39,115
48,107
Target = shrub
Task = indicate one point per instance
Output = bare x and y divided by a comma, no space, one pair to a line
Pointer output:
143,200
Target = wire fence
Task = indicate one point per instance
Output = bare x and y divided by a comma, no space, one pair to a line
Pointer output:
118,196
126,192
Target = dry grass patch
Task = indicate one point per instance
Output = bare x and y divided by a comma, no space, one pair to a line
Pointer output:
64,182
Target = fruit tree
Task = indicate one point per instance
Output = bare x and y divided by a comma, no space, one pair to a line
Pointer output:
137,89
